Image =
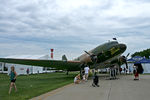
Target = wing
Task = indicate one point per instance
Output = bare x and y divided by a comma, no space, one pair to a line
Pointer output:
58,64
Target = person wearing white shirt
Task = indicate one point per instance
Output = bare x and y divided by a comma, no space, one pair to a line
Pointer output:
77,79
86,69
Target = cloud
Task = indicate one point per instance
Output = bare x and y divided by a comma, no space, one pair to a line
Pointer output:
71,26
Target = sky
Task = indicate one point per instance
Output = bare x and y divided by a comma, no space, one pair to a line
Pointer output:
33,27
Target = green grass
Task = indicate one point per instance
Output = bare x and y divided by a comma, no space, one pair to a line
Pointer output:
146,74
33,85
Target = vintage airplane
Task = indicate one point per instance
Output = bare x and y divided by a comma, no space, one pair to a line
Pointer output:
106,54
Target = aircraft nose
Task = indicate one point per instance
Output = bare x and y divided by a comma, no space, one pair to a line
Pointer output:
123,47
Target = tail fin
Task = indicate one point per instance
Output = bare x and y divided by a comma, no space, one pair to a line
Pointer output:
64,58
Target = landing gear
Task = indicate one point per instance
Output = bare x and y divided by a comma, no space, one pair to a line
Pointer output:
82,69
112,73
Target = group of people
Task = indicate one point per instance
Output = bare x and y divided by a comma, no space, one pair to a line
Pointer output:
85,75
77,79
135,72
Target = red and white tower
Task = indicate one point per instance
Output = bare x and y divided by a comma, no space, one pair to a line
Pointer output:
52,50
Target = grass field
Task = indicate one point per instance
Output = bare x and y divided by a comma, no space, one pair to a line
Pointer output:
33,85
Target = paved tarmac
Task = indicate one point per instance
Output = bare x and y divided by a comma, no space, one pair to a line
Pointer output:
125,88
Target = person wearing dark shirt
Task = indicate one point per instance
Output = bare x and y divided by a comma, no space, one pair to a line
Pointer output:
13,76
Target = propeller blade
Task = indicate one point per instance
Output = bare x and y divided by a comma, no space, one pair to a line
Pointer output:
127,55
126,64
124,60
87,53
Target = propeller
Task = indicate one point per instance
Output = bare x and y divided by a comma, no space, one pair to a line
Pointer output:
124,59
92,56
127,55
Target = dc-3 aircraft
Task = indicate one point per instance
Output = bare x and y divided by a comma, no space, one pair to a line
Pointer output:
104,55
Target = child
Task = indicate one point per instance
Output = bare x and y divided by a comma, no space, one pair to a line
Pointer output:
77,79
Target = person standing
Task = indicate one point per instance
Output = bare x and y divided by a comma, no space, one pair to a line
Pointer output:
136,74
134,71
27,71
13,76
95,80
86,69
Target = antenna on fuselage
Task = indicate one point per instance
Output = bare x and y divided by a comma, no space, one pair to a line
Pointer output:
114,39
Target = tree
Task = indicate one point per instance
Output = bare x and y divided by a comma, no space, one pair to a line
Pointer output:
144,53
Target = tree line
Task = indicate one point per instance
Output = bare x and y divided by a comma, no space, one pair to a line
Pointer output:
144,53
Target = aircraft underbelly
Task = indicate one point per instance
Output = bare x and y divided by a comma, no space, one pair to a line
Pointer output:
107,62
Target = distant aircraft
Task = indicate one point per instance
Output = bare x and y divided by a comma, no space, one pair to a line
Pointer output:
103,56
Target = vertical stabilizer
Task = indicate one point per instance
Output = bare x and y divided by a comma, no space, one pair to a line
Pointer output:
64,58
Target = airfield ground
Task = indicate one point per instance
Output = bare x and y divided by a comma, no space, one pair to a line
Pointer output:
33,85
125,88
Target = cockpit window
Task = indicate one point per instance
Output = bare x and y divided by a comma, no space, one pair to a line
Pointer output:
114,42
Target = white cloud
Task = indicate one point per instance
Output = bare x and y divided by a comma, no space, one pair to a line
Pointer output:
123,8
71,26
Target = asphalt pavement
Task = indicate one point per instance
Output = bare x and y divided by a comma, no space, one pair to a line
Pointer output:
124,88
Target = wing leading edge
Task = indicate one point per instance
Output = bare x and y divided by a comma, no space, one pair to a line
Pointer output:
58,64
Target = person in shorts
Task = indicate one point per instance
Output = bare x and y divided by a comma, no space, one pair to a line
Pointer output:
13,76
86,69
